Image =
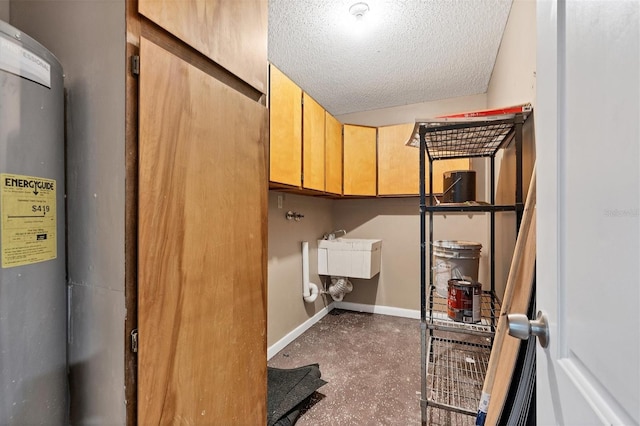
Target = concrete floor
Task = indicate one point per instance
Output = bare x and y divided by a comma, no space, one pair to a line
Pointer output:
372,366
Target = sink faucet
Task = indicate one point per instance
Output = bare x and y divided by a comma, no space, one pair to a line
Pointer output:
332,235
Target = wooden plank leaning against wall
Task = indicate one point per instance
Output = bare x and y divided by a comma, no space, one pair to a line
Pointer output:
198,125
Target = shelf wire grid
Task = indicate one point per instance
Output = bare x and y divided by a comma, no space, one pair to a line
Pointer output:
439,319
440,417
455,374
445,138
483,140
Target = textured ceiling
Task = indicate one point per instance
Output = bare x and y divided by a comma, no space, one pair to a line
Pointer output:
401,52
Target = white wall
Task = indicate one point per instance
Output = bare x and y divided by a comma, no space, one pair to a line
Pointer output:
513,82
89,40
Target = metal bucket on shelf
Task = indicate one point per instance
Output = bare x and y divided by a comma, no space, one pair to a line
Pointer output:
460,186
454,259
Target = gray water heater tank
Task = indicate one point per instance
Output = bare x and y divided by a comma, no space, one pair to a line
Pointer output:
33,306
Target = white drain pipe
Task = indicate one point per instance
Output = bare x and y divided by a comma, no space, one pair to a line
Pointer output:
309,289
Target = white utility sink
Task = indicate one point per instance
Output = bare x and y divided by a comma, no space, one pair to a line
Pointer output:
349,257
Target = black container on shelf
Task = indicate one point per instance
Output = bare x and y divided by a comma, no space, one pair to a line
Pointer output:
459,186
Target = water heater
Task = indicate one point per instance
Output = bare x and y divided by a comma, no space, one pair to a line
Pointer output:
33,308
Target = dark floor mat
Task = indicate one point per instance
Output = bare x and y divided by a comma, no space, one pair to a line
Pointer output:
287,389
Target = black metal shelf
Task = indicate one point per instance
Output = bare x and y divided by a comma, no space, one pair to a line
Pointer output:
441,417
489,312
444,361
456,373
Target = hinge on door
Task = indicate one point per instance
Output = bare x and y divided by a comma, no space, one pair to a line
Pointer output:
135,65
302,177
134,340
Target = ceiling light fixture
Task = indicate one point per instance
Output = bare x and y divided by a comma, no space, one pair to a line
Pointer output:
359,9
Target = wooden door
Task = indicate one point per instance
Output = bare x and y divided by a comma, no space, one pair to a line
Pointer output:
202,248
588,104
359,160
285,129
232,33
313,152
333,154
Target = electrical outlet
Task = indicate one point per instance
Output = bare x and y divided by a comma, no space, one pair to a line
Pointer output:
280,199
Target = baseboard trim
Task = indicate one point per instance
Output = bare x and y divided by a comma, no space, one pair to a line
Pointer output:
377,309
296,332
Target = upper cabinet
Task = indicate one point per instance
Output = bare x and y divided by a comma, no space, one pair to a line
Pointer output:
285,122
398,164
231,33
333,155
311,150
302,137
359,160
313,144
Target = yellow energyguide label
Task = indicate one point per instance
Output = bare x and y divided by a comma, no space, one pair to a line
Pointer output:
28,228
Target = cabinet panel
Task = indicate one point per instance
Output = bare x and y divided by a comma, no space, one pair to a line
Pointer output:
202,265
398,164
359,160
313,150
333,154
231,33
285,115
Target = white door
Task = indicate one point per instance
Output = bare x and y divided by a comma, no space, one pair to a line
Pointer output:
587,131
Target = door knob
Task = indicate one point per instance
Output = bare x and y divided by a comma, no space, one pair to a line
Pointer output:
522,328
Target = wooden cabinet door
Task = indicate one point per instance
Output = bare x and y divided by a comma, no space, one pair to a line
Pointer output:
359,160
399,165
312,144
202,247
333,154
285,127
233,33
